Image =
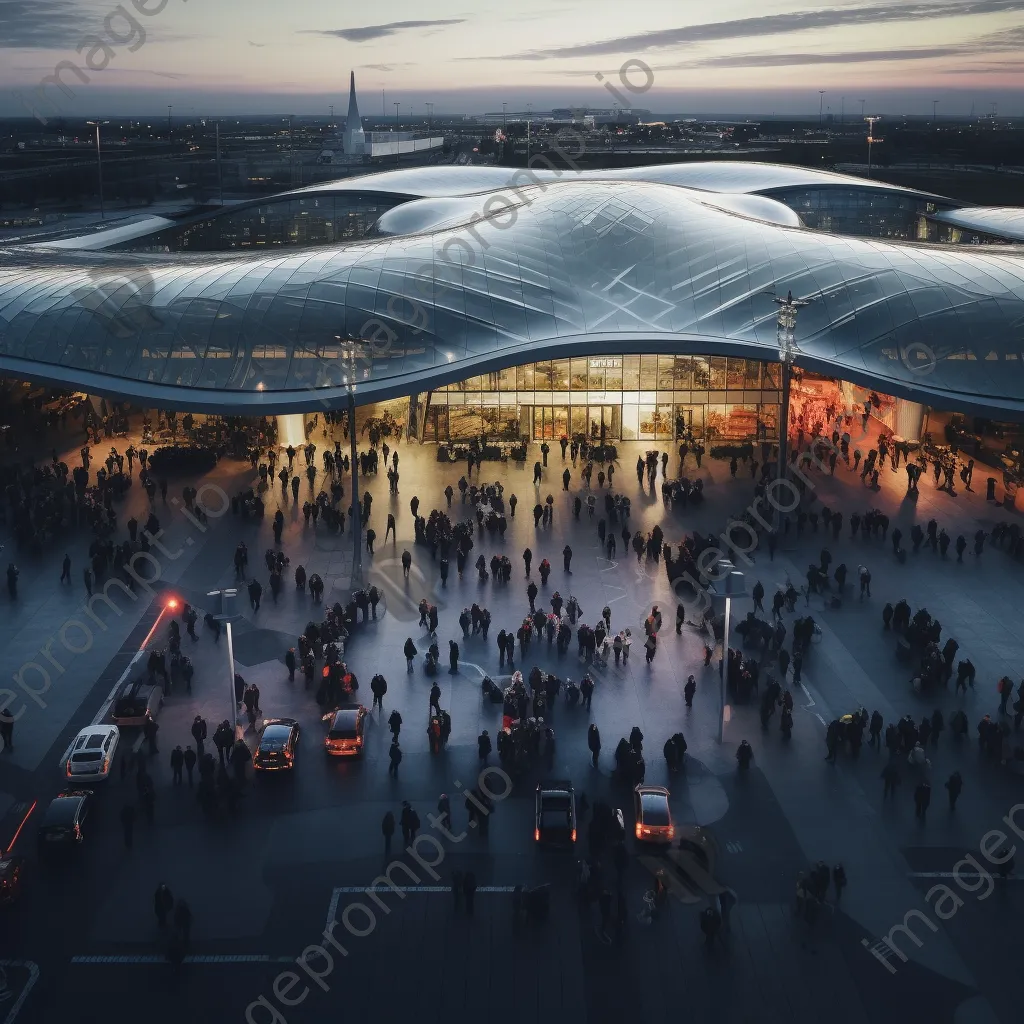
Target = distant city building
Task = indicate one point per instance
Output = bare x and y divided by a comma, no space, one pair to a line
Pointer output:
354,139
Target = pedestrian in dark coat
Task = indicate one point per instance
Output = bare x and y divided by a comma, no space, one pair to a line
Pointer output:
163,903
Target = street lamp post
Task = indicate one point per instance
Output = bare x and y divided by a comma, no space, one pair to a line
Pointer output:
821,106
872,121
99,163
788,351
227,616
733,585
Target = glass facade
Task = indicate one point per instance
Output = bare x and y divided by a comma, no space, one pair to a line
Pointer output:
613,398
853,211
278,223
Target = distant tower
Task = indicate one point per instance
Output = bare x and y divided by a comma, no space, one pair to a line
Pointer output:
354,140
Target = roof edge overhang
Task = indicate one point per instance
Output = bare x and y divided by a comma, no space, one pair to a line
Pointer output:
313,399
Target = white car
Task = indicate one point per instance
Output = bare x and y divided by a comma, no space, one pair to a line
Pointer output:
91,755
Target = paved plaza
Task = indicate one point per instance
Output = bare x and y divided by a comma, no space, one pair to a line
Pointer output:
264,885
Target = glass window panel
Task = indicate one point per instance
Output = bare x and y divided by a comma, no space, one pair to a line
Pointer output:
701,373
740,422
630,422
542,375
560,375
682,372
772,375
647,423
630,373
525,377
648,373
664,422
666,373
578,419
752,378
507,379
714,420
719,366
734,375
595,374
578,375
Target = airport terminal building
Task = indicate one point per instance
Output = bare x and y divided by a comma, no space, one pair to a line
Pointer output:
621,304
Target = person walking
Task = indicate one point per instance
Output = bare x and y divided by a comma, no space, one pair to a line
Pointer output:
483,746
387,827
594,743
190,759
65,571
177,765
435,700
954,784
922,798
567,558
394,758
163,903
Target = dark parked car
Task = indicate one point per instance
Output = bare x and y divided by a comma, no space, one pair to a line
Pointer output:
67,821
278,741
555,813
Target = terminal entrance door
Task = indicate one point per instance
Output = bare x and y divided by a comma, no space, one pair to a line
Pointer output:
550,422
604,422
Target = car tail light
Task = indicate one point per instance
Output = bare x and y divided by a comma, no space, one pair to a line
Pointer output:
69,772
639,830
106,765
536,835
671,831
574,835
78,831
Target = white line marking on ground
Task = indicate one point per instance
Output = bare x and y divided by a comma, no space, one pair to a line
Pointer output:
959,875
339,890
156,958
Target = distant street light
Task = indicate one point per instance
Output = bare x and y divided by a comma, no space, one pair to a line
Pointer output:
99,163
872,121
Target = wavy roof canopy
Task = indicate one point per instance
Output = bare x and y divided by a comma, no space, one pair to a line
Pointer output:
1001,221
568,267
709,176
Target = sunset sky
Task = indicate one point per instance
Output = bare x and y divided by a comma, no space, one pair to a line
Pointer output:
217,57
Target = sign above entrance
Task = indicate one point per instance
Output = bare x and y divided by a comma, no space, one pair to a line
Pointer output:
606,363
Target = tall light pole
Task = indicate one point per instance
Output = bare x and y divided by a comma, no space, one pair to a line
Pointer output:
788,351
821,106
729,586
935,111
862,102
170,107
99,163
872,121
220,180
504,128
396,114
430,118
227,616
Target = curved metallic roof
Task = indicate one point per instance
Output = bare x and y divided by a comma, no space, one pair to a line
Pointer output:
707,175
1000,221
556,268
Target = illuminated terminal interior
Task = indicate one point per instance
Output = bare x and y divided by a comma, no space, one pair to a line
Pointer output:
627,398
